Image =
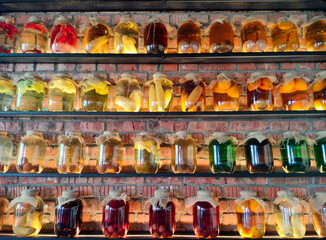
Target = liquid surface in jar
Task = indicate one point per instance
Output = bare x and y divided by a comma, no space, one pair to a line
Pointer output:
285,37
206,220
260,95
126,37
221,156
193,96
155,38
319,221
162,221
96,38
184,156
34,38
221,37
110,156
319,93
8,37
253,37
225,95
189,38
316,36
319,150
63,38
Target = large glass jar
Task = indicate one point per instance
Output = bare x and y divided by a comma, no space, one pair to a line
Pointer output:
221,37
189,37
318,207
294,150
34,36
319,91
110,152
314,33
126,36
289,215
68,215
193,94
115,218
6,149
4,205
128,94
30,93
63,36
253,35
6,92
206,216
155,37
161,215
147,156
62,93
319,151
71,153
9,36
31,153
260,94
250,215
28,210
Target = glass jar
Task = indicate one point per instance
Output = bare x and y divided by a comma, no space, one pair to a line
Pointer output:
6,149
31,155
184,153
294,150
71,153
155,37
159,93
28,211
250,215
34,36
30,93
318,208
294,92
68,215
126,36
128,94
110,152
319,150
314,33
189,37
193,92
115,217
206,218
147,156
9,36
96,36
319,91
63,36
221,149
260,94
4,205
221,37
62,93
253,35
289,215
161,215
6,92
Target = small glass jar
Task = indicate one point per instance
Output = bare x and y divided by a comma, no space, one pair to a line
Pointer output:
9,36
319,151
115,217
126,36
253,35
289,215
193,92
96,36
128,94
31,155
6,149
184,153
71,153
294,92
314,33
155,37
30,93
260,94
63,36
161,215
189,37
6,92
34,36
294,150
4,207
68,215
110,152
62,93
160,93
221,37
147,156
206,214
319,91
250,215
318,208
28,211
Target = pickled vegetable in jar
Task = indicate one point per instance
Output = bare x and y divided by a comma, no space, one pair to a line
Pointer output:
155,37
4,205
71,153
128,94
319,151
6,149
62,93
193,94
110,152
28,210
9,36
315,35
318,208
250,215
221,37
253,35
126,36
63,36
34,36
319,91
31,153
6,92
189,37
96,36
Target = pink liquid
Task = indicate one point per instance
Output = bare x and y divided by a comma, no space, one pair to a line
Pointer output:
206,220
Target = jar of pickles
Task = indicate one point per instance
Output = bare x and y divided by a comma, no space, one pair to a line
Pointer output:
68,215
6,149
128,94
314,33
193,91
31,153
189,37
319,91
96,36
253,35
319,150
147,156
110,152
155,37
63,36
250,215
206,216
318,208
115,217
221,36
4,205
71,153
6,92
28,210
62,93
30,93
9,36
126,36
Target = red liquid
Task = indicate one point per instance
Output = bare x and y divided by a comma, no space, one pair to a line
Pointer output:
155,38
206,220
64,34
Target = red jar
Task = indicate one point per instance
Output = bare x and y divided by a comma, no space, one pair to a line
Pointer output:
63,36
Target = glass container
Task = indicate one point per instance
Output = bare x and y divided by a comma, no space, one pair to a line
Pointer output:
4,205
319,151
155,37
221,37
189,37
126,36
253,35
63,36
6,149
6,92
314,33
9,36
319,91
318,208
193,94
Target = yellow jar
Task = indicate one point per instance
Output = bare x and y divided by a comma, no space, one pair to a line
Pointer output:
189,37
96,36
193,92
6,149
6,92
126,36
319,91
314,33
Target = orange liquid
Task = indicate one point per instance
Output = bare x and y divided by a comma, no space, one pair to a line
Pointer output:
285,37
253,32
221,38
315,35
189,38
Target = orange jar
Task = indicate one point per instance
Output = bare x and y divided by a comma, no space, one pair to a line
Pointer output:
314,33
221,37
189,37
319,91
193,94
253,35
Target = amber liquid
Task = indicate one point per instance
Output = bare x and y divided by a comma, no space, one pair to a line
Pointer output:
184,156
320,96
298,100
285,37
95,32
206,220
221,38
319,221
260,99
162,221
255,33
155,38
315,35
226,99
186,89
189,38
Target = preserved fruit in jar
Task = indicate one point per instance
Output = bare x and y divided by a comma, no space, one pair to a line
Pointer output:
193,91
319,150
318,207
6,149
189,37
253,35
4,205
9,36
314,33
126,36
319,91
221,37
155,37
6,92
63,36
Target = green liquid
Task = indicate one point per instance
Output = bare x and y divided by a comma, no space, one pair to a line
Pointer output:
221,156
320,154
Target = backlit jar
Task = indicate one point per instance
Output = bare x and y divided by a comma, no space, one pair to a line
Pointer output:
4,213
96,36
155,37
314,33
9,36
221,37
319,151
193,94
6,92
318,208
189,37
126,36
319,91
253,35
6,149
63,36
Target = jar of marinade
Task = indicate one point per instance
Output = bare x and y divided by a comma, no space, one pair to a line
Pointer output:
71,153
206,214
221,36
6,92
318,208
314,33
6,149
193,94
28,210
63,36
253,35
319,151
9,36
155,37
250,215
68,215
110,152
4,205
115,217
189,37
126,36
96,36
31,155
319,91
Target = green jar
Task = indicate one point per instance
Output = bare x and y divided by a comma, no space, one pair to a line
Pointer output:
319,150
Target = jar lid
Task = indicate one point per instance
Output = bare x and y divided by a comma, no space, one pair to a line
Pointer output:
5,76
35,19
159,75
70,193
110,133
128,75
62,75
30,192
161,193
115,193
204,193
32,132
146,133
320,194
32,76
248,194
285,193
64,19
155,20
182,134
7,19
